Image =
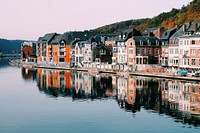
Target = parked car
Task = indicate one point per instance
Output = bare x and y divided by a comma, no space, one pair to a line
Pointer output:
197,74
182,73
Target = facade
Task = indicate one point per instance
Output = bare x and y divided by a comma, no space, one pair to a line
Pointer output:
146,50
119,58
28,52
165,46
183,47
195,52
177,48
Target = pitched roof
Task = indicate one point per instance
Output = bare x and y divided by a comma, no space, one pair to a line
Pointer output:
168,33
48,37
101,38
56,39
191,27
154,41
148,30
82,35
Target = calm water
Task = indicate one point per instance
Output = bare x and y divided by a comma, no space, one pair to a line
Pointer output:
63,101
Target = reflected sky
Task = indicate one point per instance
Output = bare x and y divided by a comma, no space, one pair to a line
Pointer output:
64,101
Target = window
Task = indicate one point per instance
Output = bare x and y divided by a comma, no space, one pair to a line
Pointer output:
143,51
193,41
193,52
149,43
131,44
130,51
157,51
130,59
181,52
157,43
61,59
193,62
181,42
138,50
149,51
171,51
141,43
62,53
176,51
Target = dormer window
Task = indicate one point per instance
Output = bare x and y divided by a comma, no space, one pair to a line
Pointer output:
141,43
149,43
157,43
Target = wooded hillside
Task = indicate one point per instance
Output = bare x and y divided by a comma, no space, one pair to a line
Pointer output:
189,13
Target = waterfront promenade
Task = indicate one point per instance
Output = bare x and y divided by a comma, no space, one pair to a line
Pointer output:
165,75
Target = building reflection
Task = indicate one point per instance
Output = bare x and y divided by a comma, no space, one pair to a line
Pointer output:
29,74
178,99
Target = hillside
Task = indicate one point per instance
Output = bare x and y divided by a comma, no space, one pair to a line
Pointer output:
168,20
10,46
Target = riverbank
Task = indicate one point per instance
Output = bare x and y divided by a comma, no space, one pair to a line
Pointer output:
164,75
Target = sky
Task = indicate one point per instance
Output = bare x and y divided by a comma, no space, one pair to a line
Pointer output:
30,19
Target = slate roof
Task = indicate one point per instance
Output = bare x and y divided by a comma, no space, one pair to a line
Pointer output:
168,33
82,35
105,37
48,37
191,27
81,44
145,40
148,30
40,39
56,39
127,33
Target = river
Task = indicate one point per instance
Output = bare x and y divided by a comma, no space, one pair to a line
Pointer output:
43,100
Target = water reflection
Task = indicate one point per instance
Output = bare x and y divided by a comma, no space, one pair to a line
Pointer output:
177,99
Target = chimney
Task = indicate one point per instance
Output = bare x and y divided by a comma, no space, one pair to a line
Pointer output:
195,27
134,32
184,27
150,34
161,30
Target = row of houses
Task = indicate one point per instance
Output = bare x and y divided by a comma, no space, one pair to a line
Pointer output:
178,48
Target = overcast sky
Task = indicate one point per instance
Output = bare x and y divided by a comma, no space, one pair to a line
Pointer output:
30,19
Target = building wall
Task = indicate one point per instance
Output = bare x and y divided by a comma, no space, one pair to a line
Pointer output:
131,52
184,52
39,58
67,55
173,56
164,55
194,52
55,49
27,51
